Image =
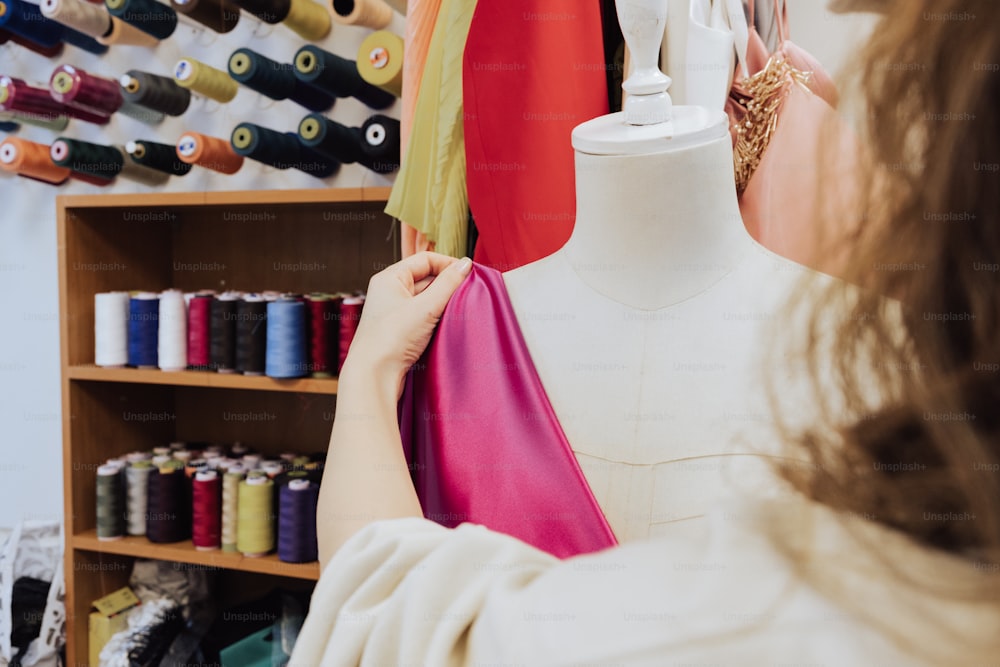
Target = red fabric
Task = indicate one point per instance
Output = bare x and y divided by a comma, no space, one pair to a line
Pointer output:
533,70
481,437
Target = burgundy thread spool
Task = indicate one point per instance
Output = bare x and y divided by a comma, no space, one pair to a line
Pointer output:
80,90
324,334
206,517
16,95
200,331
350,314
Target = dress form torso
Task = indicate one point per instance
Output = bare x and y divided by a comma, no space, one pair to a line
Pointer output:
648,329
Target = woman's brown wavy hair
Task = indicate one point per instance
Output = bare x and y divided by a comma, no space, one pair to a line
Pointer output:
924,457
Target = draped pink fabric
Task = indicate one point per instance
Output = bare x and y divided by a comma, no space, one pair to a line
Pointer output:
481,437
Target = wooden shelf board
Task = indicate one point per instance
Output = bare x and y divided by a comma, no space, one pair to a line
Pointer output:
90,372
184,552
181,199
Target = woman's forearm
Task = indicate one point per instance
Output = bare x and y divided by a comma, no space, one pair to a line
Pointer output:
366,477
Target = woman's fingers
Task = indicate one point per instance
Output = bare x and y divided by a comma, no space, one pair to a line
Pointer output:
421,265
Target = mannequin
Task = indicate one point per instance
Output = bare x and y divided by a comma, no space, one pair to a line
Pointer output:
647,328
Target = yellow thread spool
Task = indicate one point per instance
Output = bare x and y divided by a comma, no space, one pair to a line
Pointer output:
309,19
255,516
380,61
230,507
205,80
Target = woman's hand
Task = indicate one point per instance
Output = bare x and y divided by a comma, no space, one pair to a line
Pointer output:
403,305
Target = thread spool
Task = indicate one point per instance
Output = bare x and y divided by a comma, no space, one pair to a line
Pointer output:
205,80
126,34
337,76
251,334
374,14
82,41
143,327
111,311
31,160
272,468
84,17
53,124
331,138
95,160
209,152
350,314
18,96
275,80
255,516
152,17
171,352
381,143
268,11
216,15
324,338
9,126
297,521
26,20
285,356
110,503
308,19
206,511
76,88
155,92
137,488
199,331
168,505
230,504
223,333
44,51
380,61
161,157
136,172
280,150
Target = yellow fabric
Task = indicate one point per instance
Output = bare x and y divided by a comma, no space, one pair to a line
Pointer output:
430,189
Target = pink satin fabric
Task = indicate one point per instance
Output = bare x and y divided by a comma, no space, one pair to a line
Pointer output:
482,440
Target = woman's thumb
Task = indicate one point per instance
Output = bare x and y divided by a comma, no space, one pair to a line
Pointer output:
444,285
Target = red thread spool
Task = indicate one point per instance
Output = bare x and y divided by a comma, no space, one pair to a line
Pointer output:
84,91
206,511
16,95
350,314
324,334
200,331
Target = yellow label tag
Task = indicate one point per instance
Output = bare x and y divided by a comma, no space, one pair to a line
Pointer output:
117,602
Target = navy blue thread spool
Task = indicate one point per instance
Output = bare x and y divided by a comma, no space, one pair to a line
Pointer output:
251,334
268,11
276,80
155,92
26,20
281,150
83,41
152,17
286,355
161,157
297,521
331,138
338,76
168,504
381,143
143,330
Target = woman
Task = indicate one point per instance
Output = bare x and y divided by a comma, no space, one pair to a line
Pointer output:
887,548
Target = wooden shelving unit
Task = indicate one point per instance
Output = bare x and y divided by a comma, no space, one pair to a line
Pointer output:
301,241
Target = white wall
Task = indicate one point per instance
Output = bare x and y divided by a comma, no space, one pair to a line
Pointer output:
30,410
30,399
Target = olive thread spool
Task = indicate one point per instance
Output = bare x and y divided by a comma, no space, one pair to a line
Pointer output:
76,88
155,92
26,20
380,61
308,19
111,512
209,152
255,516
338,77
161,157
85,17
94,160
149,16
31,160
217,15
230,498
205,80
280,150
275,80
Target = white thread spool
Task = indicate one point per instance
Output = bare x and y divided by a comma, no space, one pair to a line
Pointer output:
172,340
137,485
111,329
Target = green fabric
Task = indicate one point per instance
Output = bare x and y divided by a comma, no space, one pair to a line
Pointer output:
430,189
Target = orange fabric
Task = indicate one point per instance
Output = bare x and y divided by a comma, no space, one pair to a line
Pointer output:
421,16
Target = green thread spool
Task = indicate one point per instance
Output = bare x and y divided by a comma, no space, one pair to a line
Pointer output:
230,507
104,162
111,519
255,532
137,483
